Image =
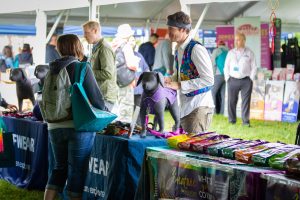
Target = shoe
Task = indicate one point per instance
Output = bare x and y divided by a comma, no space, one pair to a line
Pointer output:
232,122
246,124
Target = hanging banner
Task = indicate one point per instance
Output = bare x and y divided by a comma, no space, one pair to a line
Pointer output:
265,47
225,34
277,44
273,100
250,26
291,101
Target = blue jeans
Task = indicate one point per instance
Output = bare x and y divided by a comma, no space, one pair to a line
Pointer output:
71,152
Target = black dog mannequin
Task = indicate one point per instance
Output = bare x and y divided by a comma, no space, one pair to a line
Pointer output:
152,82
23,86
40,73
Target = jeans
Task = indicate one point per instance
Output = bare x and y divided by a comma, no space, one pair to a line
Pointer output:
71,152
218,93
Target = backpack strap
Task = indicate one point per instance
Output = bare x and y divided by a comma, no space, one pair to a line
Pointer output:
80,71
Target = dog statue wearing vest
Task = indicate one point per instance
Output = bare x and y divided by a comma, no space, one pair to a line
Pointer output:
155,99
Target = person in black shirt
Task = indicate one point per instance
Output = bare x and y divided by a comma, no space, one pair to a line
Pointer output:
148,50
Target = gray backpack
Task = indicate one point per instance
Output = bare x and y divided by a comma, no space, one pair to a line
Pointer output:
56,103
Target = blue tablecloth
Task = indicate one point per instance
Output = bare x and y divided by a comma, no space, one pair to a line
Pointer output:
30,140
115,166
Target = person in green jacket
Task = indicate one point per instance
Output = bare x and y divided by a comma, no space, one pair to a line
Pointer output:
103,63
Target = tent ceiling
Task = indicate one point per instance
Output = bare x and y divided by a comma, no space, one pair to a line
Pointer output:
137,12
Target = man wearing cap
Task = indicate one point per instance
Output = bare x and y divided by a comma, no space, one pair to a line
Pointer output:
103,63
193,76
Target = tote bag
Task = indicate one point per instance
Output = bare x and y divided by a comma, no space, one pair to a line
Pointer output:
86,117
7,150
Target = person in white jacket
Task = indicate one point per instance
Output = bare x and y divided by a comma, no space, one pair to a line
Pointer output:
239,71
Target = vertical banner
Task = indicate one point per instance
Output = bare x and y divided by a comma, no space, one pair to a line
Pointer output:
265,47
277,44
273,100
257,104
226,34
250,26
291,101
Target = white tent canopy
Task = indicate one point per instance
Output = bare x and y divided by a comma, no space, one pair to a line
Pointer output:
142,13
138,12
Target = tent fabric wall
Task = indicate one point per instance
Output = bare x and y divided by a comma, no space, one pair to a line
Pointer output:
17,30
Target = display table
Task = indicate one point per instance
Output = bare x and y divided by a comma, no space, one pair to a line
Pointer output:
115,165
30,140
281,187
170,174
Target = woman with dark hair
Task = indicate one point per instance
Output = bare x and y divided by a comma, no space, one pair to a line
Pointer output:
25,56
71,149
8,56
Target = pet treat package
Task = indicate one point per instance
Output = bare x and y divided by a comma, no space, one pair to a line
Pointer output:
185,145
202,145
229,152
173,141
216,149
277,162
245,155
262,158
292,166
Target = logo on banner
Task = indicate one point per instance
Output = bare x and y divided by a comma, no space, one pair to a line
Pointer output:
23,142
248,29
98,166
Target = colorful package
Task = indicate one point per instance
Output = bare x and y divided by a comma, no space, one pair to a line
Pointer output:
277,161
185,145
216,149
173,141
201,146
245,155
262,158
229,152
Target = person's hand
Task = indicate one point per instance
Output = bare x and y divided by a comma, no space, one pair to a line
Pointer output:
168,80
12,107
173,85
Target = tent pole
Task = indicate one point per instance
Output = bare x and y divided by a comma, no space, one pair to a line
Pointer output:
200,20
41,33
185,7
54,26
92,10
157,23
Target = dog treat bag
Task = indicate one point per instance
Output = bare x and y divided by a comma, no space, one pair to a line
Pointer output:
277,162
245,155
229,152
202,145
186,144
262,158
216,149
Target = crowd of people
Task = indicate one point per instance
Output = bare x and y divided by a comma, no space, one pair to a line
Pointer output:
198,77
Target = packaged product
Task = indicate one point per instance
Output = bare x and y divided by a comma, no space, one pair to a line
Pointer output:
262,158
245,155
216,149
229,152
185,145
202,145
277,161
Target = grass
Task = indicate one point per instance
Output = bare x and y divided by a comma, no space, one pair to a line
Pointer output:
265,130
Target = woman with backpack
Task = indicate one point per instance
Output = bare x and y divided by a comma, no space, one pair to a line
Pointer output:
71,149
